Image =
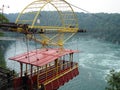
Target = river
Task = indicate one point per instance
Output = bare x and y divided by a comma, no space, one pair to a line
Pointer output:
96,58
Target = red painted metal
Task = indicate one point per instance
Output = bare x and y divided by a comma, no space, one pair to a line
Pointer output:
17,83
62,80
41,57
54,85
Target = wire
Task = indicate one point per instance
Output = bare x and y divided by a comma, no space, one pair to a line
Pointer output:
99,17
86,11
15,51
27,45
79,8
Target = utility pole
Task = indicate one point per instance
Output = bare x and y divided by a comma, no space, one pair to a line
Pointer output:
2,11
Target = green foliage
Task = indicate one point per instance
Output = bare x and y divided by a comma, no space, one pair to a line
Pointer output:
3,48
113,80
100,25
1,34
3,19
2,61
95,22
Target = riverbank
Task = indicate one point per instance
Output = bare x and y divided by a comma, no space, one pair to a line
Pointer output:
3,46
2,60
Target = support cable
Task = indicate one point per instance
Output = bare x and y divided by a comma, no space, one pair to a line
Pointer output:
101,18
85,11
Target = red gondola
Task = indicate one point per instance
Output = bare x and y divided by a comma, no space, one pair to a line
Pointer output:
47,67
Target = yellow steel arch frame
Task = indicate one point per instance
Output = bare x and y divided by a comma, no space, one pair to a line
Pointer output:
59,13
22,12
55,6
69,22
38,14
45,41
73,14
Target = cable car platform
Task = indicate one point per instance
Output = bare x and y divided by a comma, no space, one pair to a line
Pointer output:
49,68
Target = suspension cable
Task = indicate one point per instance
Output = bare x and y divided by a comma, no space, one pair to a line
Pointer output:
86,11
27,45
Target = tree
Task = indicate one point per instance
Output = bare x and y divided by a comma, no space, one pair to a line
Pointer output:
3,19
113,80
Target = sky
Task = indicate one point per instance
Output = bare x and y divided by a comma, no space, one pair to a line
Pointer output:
93,6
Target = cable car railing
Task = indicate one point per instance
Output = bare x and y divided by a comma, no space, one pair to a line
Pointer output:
62,65
48,73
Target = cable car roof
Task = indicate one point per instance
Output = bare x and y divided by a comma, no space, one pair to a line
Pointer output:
41,57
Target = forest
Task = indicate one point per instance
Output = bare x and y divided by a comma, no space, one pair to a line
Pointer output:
3,19
99,25
3,44
90,21
102,26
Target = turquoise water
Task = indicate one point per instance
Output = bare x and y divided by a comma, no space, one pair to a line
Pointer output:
96,58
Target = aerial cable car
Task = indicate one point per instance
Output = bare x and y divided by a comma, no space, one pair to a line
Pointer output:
49,69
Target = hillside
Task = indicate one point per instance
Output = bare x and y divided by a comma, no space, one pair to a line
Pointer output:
100,25
3,19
